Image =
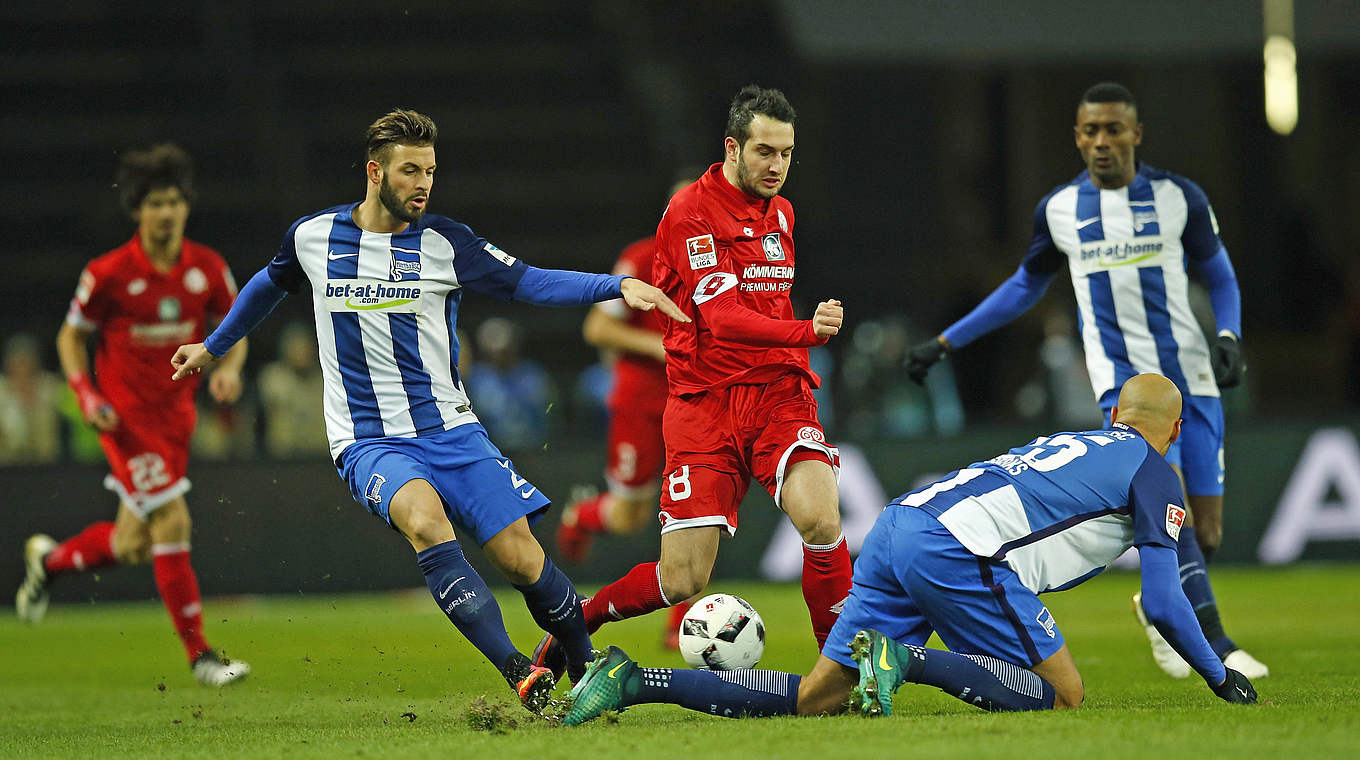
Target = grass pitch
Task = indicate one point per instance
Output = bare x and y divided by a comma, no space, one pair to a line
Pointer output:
387,676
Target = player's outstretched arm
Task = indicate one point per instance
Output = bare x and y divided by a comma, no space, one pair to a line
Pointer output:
643,297
225,383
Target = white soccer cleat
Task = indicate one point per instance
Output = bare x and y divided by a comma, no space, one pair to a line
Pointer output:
212,670
1243,663
1166,658
31,602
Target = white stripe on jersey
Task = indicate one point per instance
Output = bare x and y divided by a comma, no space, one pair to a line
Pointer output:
1057,560
983,523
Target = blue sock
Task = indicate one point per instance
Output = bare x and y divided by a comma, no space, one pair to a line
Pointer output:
730,694
1195,584
979,680
556,608
462,594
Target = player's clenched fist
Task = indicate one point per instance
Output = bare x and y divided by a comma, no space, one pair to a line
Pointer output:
189,360
828,318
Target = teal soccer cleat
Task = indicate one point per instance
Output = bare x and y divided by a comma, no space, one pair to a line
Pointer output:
880,673
601,688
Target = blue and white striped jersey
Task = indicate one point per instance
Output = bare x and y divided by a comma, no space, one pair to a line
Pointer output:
1128,251
385,308
1060,508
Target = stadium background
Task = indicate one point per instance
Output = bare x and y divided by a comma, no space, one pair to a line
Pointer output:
927,132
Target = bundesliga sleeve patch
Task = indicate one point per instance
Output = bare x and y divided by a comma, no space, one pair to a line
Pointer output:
1175,518
500,255
702,252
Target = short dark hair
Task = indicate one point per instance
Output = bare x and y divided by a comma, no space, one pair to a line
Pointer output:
752,100
158,167
400,127
1108,92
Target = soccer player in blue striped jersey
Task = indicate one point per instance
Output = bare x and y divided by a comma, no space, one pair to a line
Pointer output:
966,558
387,281
1130,235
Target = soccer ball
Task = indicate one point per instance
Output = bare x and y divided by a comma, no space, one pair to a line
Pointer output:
722,632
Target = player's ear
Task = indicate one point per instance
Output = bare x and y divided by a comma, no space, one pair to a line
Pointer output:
1138,133
731,148
1175,431
375,171
1114,414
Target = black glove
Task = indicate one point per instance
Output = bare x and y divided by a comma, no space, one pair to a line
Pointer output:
1236,689
1226,358
920,358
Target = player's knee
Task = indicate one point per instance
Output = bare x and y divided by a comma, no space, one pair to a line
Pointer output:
425,529
683,581
629,515
132,547
820,529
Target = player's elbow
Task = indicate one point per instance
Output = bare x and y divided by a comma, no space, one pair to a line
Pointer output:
1069,698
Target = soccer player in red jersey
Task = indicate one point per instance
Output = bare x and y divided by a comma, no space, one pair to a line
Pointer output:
143,299
740,389
637,398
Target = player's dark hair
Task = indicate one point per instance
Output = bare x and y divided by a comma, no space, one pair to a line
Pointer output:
400,127
1108,92
156,168
752,100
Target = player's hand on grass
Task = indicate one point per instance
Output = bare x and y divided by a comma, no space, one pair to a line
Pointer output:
1236,689
922,357
1226,358
225,385
827,320
190,360
643,297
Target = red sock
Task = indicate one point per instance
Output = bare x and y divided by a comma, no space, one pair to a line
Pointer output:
87,550
677,614
636,593
826,584
179,591
588,517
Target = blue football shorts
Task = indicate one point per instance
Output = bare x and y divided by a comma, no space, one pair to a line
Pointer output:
913,577
482,492
1199,451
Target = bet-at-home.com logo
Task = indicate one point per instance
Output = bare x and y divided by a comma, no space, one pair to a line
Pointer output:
371,295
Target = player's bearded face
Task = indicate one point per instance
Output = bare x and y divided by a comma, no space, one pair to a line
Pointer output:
1106,135
408,207
762,162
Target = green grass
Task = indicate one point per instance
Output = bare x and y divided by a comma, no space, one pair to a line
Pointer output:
334,676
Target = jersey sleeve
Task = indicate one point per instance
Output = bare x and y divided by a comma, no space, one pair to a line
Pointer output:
1042,257
91,302
1157,501
1200,237
284,269
690,249
479,265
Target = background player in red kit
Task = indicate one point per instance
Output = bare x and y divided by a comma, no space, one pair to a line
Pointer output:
740,403
636,401
144,298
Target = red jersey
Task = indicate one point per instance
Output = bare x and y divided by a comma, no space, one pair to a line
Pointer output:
727,261
142,315
638,379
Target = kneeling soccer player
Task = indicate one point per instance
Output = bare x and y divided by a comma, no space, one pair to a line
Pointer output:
966,557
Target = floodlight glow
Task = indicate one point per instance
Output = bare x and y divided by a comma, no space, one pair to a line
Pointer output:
1282,85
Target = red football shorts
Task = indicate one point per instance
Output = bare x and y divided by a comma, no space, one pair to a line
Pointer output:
149,461
716,441
636,452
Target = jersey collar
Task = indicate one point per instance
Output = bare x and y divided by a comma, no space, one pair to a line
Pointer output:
737,202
